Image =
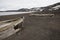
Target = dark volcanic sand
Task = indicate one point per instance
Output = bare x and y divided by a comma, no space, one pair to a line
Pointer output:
39,28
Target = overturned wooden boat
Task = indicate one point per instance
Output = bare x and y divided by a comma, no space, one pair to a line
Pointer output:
9,27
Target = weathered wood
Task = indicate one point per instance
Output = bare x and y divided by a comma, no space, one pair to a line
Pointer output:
7,28
43,15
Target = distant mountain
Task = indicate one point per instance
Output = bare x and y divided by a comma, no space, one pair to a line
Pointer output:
23,10
48,8
54,7
19,10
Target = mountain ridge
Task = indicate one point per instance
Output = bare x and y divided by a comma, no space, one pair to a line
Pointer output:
52,7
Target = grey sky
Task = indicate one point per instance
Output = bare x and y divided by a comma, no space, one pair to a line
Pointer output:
17,4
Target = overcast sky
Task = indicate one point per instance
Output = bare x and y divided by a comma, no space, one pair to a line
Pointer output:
17,4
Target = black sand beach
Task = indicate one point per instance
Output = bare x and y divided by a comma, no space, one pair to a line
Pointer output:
39,28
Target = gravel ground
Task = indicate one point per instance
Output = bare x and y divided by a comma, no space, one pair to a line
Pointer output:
39,28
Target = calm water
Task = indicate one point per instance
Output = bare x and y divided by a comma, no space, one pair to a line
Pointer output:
12,13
